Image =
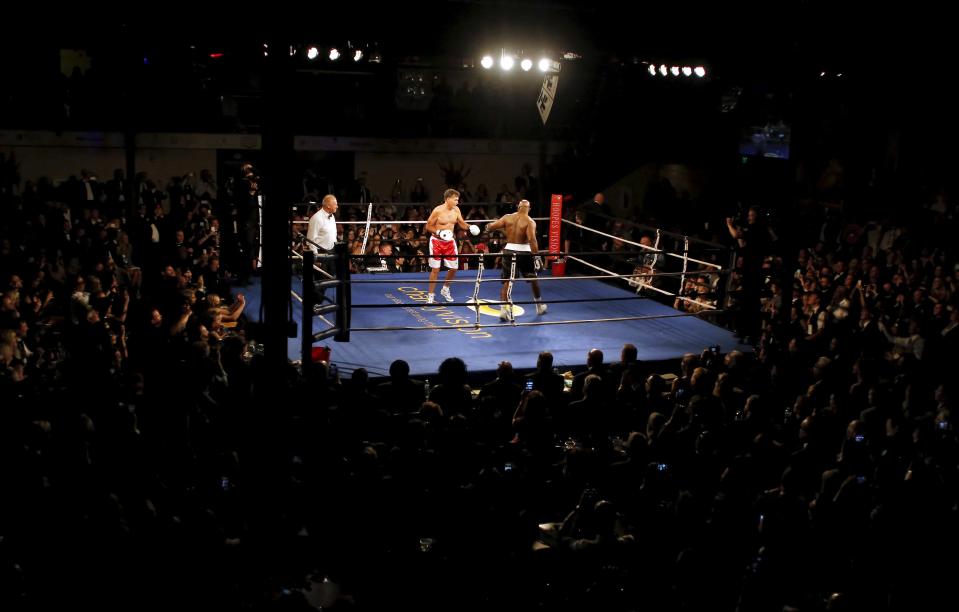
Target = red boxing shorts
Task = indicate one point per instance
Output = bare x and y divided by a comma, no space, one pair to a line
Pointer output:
442,251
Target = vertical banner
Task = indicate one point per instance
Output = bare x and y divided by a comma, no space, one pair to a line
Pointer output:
547,94
555,224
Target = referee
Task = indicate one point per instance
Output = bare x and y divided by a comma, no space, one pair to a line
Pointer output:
322,228
321,233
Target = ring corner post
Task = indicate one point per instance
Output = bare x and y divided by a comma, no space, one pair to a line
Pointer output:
306,317
278,158
344,292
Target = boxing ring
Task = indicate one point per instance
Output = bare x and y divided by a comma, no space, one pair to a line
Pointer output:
387,316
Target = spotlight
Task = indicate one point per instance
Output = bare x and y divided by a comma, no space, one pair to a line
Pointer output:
334,54
674,70
526,64
312,53
544,64
687,71
700,71
663,70
506,62
357,55
652,70
487,62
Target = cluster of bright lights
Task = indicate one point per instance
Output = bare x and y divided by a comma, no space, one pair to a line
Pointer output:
686,71
334,53
507,61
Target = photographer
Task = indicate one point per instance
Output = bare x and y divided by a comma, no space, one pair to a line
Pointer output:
752,244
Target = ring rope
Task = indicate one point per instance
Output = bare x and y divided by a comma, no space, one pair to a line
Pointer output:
497,302
531,323
642,246
295,255
663,291
682,279
366,232
374,281
406,222
476,287
652,267
300,300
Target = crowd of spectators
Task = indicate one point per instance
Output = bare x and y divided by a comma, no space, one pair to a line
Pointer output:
145,466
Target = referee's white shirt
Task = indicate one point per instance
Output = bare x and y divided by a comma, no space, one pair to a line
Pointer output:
322,230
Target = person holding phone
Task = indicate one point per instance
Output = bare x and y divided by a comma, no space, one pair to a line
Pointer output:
546,379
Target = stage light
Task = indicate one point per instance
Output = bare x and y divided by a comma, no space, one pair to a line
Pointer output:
334,54
487,62
674,70
376,57
699,71
357,55
663,70
506,62
526,64
312,53
687,71
652,70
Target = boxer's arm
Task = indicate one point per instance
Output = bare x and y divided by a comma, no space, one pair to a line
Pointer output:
495,225
431,223
460,223
531,236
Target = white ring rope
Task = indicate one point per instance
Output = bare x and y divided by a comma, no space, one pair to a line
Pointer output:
373,281
640,285
405,222
529,324
656,248
663,291
642,246
476,287
300,300
682,279
366,232
295,255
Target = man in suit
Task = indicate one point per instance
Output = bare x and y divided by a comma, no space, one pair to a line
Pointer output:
594,365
